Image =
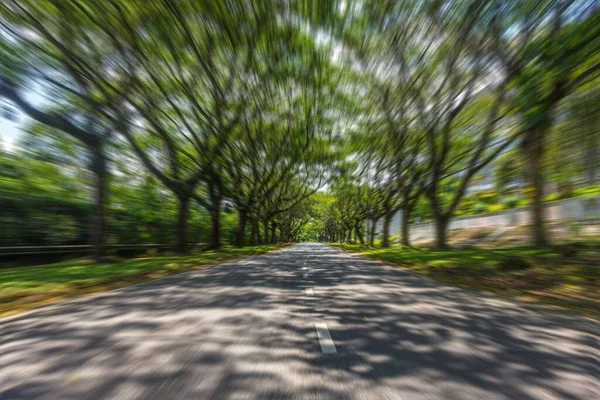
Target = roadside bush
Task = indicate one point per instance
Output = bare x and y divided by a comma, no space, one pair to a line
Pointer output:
558,196
528,192
552,197
466,206
523,203
488,198
479,208
566,250
496,207
511,202
513,263
590,191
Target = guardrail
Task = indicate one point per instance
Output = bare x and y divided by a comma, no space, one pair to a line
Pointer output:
79,249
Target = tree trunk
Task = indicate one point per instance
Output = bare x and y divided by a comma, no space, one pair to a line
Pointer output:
266,230
387,219
406,227
372,232
591,151
241,228
253,235
215,231
441,230
534,149
215,216
256,232
359,233
273,233
98,236
538,226
182,228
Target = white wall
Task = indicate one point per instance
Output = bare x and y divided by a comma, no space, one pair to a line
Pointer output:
561,210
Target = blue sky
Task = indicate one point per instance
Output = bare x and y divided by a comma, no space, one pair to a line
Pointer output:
10,131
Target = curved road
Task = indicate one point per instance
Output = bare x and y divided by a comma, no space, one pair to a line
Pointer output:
305,322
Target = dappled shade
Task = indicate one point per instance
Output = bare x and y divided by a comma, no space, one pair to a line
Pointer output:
246,329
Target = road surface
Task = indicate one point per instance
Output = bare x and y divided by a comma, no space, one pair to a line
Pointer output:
305,322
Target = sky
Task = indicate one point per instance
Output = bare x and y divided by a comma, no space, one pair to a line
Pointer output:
10,130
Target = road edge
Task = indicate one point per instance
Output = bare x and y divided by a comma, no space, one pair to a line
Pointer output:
85,297
545,310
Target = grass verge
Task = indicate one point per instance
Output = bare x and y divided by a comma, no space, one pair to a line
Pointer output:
552,280
24,288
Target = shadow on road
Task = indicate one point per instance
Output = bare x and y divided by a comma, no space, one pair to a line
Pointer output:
245,330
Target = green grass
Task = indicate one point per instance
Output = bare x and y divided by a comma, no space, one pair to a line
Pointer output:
472,258
572,283
24,288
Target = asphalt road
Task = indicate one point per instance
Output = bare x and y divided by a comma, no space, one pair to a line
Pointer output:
306,322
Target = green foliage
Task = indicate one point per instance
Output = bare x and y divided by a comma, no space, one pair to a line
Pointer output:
496,208
229,117
509,167
488,198
480,208
511,202
587,192
41,204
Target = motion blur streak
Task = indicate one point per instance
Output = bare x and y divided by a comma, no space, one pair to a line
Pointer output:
142,138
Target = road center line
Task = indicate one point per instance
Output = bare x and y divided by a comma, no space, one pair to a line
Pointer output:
325,340
309,291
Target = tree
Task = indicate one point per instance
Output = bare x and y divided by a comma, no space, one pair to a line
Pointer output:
94,137
460,142
82,113
561,58
172,88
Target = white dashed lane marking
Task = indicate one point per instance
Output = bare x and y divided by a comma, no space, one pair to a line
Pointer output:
325,340
309,292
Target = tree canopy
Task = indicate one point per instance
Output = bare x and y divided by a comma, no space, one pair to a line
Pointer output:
253,121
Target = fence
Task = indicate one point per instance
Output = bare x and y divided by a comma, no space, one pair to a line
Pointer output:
18,254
